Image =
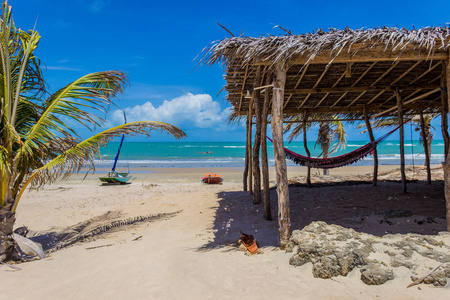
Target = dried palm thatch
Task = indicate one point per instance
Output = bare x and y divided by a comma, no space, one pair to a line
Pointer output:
339,71
275,49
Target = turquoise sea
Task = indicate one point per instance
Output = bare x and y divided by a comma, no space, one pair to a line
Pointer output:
231,154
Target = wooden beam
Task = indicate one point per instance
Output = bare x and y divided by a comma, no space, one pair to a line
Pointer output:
426,72
444,114
243,86
334,85
263,87
381,77
257,140
365,73
385,73
353,109
284,221
406,102
402,138
321,100
375,152
410,95
316,84
358,80
356,99
304,101
327,120
264,158
426,148
247,154
375,97
365,55
249,149
405,73
447,159
395,81
305,68
356,89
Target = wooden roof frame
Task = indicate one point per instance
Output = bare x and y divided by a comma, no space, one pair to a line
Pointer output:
345,74
339,71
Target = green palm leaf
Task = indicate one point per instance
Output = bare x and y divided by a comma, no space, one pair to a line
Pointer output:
74,101
86,152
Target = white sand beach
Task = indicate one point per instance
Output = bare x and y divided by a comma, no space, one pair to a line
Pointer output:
189,252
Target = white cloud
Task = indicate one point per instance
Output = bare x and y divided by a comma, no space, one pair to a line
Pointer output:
189,110
63,68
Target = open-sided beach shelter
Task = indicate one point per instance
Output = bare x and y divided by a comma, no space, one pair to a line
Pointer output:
355,74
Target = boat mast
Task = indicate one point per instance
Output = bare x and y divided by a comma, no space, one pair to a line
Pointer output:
120,146
118,152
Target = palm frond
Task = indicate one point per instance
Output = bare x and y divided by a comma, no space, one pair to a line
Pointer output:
23,61
86,152
93,91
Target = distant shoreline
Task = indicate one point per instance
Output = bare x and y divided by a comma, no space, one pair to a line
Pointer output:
229,174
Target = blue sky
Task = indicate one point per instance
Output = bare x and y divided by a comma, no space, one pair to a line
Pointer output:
156,42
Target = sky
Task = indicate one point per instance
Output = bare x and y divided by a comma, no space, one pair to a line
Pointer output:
156,44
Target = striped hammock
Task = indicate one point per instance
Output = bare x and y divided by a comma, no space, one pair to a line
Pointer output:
337,161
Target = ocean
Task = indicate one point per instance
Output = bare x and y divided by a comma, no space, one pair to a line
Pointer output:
232,154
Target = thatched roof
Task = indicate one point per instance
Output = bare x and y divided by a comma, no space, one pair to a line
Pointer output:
339,70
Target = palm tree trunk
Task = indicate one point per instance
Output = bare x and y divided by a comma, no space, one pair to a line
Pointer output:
324,132
305,144
7,220
425,132
375,152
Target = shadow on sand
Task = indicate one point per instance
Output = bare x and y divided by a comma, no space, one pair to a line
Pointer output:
366,208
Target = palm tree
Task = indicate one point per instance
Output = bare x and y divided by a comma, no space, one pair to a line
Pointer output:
422,123
425,130
39,142
331,136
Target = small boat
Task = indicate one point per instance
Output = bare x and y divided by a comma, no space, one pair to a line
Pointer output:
212,178
113,176
116,177
201,152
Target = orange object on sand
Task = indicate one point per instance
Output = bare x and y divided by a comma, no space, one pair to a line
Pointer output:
212,178
249,242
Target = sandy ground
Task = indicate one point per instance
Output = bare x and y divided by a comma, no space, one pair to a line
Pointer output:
191,254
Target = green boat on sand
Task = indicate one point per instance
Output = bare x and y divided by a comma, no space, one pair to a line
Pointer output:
113,176
116,177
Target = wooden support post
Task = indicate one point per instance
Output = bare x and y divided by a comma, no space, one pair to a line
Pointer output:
264,159
402,138
447,159
424,134
284,221
444,114
257,140
249,147
372,139
305,144
247,128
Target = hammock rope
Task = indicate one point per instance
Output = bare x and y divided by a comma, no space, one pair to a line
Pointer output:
337,161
